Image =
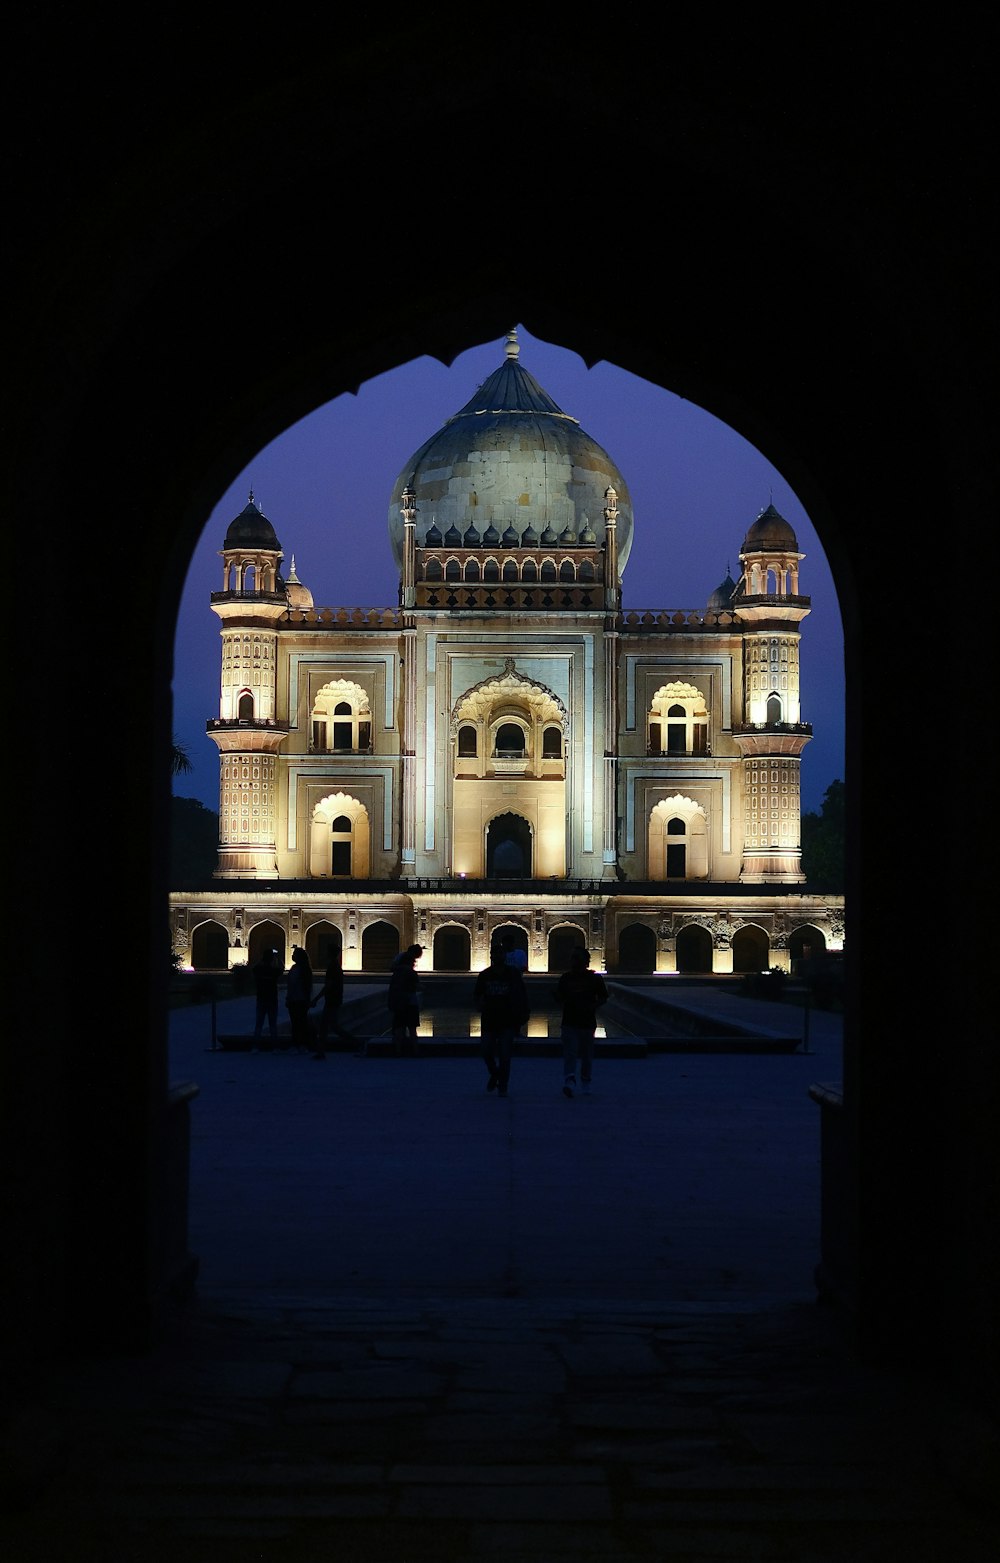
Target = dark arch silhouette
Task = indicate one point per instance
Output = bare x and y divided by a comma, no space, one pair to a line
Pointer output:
379,946
694,949
637,949
322,941
210,947
134,335
750,950
562,942
452,948
266,936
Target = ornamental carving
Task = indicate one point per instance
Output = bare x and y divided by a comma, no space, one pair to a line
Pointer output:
477,702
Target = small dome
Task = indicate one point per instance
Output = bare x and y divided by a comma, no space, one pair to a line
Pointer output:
453,537
549,536
298,596
770,533
491,536
433,538
529,537
252,529
510,537
724,593
472,537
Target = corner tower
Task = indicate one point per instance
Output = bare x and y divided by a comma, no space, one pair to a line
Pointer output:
252,600
771,736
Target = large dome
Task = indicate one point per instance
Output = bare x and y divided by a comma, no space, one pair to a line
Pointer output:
511,462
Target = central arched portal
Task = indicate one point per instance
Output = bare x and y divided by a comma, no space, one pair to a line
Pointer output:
508,847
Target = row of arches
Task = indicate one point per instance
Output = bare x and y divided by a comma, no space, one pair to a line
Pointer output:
340,846
451,946
450,949
528,571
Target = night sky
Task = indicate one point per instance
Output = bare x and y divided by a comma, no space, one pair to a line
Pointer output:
696,486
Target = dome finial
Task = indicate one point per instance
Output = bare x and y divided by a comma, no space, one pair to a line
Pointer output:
512,344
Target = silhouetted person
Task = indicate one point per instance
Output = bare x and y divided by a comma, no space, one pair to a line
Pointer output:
298,997
581,992
332,997
266,973
403,999
513,954
500,996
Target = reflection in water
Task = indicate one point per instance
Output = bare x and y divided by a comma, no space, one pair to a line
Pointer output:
456,1021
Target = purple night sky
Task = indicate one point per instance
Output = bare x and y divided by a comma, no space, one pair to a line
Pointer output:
325,484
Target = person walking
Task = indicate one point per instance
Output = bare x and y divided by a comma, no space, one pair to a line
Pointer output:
403,999
298,997
501,998
331,995
266,972
581,992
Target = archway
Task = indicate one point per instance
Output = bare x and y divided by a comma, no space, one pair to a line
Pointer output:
694,949
806,943
750,950
210,947
637,950
266,936
323,940
508,847
512,930
379,946
452,948
810,325
562,942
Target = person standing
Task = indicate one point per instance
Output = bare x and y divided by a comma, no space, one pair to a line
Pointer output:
403,999
500,996
332,996
298,997
266,972
581,993
513,954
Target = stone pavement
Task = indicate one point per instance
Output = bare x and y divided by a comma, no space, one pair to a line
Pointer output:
434,1325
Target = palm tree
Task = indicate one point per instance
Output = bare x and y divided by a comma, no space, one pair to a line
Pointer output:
180,760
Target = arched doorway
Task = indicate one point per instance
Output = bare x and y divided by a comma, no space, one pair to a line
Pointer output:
452,948
265,936
562,942
750,950
513,931
379,946
694,949
210,947
805,944
637,950
322,941
508,846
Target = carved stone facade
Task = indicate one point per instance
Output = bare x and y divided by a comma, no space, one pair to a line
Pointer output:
508,747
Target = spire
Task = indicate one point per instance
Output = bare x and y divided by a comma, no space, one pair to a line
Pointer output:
513,347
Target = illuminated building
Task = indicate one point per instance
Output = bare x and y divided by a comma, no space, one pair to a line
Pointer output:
509,745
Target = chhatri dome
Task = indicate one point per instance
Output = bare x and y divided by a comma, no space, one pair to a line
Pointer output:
252,529
515,467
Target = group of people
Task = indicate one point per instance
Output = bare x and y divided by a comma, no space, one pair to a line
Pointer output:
499,995
299,1000
502,1000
